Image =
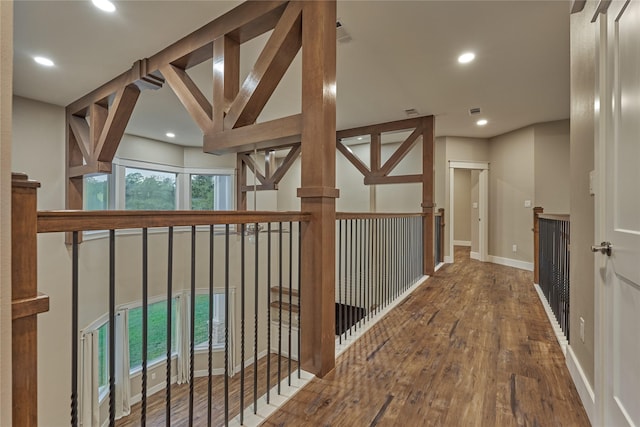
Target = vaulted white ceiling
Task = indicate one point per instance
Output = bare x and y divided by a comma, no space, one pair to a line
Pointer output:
401,55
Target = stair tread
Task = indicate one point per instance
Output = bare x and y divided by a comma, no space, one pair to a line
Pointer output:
285,291
285,306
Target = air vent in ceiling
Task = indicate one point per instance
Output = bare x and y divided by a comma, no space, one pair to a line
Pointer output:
411,112
341,33
473,111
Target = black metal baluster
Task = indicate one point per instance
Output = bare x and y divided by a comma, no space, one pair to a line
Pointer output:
351,280
169,321
339,305
226,324
279,305
112,327
299,298
268,312
255,320
289,350
192,322
145,327
361,304
74,330
242,314
369,266
210,331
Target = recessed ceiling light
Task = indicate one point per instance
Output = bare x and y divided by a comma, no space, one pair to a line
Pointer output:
482,122
44,61
171,135
466,57
105,5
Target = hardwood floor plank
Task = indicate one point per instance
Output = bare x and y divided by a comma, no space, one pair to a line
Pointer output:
470,347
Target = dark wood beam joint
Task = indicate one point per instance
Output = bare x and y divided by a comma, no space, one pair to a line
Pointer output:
288,161
117,120
394,179
353,159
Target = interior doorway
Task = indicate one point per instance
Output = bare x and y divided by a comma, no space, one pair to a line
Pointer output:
473,179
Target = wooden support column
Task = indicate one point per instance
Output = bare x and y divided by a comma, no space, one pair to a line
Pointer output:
536,243
26,302
427,193
318,192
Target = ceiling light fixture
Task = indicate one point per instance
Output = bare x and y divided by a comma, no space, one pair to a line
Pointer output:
105,5
44,61
171,135
466,57
482,122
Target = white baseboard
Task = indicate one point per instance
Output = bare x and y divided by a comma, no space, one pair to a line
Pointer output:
562,339
475,255
582,385
439,266
152,390
522,265
462,243
448,259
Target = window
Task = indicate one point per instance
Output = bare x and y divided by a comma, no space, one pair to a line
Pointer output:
157,332
201,329
103,358
211,192
96,192
149,190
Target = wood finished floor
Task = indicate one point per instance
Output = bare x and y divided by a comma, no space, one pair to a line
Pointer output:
156,413
470,347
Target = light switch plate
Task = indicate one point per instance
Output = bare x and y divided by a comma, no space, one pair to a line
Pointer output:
527,203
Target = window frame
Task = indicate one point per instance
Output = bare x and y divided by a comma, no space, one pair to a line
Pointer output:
204,346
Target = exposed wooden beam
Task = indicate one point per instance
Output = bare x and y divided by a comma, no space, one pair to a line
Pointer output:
253,166
288,161
276,133
375,151
393,179
97,117
273,62
248,20
190,95
226,78
117,120
241,182
80,129
89,168
401,152
427,126
411,123
353,159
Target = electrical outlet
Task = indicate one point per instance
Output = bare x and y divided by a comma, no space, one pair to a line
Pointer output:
581,329
514,248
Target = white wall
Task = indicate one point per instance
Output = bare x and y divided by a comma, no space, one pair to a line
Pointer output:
511,182
6,70
475,211
552,166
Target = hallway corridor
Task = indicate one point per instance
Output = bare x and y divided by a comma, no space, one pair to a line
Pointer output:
472,346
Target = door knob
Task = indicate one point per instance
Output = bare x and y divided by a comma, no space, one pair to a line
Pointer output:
603,248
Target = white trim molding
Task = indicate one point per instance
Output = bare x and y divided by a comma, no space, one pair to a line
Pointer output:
475,255
560,336
448,259
462,243
468,165
585,391
522,265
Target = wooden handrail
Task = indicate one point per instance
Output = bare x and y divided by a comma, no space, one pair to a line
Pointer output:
374,215
555,217
64,221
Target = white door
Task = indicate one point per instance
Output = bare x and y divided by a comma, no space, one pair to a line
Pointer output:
619,158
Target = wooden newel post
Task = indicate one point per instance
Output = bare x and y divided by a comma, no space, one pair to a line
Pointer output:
26,301
441,211
318,193
536,243
427,194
